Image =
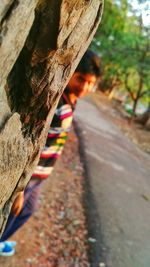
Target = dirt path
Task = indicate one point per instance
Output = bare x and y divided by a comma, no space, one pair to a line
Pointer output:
56,235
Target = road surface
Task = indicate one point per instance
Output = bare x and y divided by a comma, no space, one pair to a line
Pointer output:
118,178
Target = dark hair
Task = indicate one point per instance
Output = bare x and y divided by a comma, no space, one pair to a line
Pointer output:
89,64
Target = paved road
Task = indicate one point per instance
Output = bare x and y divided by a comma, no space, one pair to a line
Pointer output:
119,189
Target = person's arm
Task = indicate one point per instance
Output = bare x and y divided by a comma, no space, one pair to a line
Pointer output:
18,203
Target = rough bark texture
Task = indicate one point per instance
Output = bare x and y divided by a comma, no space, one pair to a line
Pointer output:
41,43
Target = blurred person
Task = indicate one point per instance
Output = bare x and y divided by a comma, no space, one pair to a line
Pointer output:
82,82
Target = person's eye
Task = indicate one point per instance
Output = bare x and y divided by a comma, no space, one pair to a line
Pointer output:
80,79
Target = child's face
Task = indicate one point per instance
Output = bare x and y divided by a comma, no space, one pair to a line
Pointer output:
81,84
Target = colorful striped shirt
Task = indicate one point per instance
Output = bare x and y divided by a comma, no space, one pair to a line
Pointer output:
56,138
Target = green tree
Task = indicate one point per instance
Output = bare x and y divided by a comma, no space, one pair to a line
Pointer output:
123,44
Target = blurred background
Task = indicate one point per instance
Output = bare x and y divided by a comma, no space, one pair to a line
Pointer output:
123,43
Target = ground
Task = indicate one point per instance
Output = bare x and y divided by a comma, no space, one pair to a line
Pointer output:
56,236
137,133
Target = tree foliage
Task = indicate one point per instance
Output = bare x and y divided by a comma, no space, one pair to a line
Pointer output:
123,44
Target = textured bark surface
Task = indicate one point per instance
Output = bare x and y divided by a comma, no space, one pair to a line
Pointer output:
41,43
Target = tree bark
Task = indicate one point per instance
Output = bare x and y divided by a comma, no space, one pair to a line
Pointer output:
41,43
144,118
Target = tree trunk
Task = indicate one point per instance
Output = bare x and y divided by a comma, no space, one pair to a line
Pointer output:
138,94
41,43
143,119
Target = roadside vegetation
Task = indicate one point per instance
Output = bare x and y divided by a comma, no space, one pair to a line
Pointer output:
123,43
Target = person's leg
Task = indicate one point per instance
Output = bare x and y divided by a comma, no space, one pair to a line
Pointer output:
30,204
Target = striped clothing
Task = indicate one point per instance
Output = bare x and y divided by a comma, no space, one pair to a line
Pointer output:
56,139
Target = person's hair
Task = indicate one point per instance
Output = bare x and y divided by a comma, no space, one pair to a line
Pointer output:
89,64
